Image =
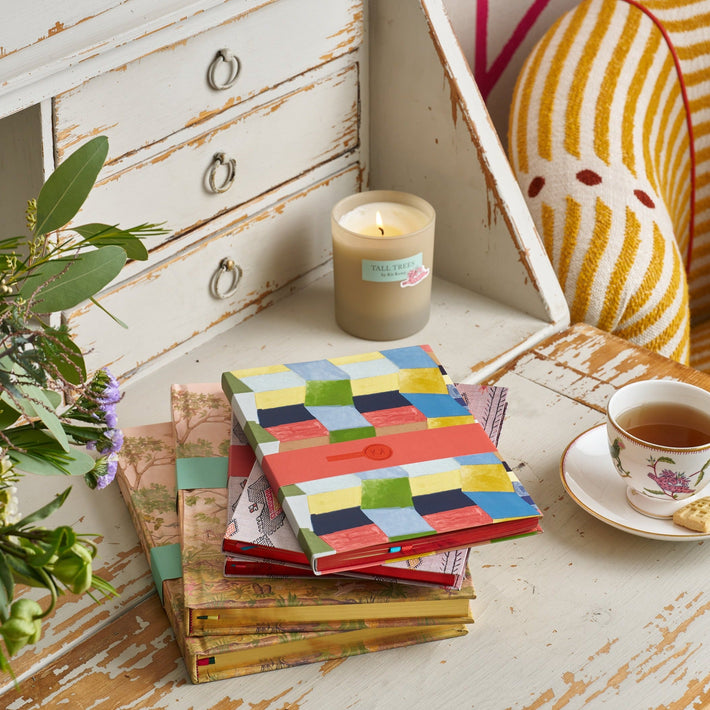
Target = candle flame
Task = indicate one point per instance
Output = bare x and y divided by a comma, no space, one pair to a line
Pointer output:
378,221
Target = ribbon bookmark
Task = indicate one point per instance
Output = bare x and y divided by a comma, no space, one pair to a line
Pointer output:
165,563
201,472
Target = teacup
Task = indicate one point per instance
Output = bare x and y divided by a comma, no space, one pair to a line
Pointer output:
659,441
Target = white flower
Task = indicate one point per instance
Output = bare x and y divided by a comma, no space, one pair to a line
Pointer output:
9,506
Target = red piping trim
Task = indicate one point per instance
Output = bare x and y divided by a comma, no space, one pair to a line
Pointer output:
689,123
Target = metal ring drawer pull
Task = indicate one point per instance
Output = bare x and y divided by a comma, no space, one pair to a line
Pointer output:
227,265
218,161
224,55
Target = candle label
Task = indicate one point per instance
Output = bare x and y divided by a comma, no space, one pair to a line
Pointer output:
408,272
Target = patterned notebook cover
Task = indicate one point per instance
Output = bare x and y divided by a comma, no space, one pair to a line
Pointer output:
200,415
375,457
258,523
215,604
147,481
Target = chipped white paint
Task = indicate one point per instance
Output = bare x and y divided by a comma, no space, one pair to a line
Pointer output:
171,187
581,615
170,84
272,249
431,135
56,49
411,119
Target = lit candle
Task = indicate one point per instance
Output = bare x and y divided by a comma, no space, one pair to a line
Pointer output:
383,248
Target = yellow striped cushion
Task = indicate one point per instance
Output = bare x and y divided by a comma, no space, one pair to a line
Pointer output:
600,143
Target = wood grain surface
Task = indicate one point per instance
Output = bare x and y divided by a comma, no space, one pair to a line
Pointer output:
580,616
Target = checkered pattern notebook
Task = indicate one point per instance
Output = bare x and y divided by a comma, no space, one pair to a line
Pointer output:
376,457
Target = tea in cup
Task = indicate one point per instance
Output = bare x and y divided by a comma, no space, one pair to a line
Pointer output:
659,441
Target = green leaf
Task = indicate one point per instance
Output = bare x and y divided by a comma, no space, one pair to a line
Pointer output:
22,572
34,451
68,538
77,463
45,511
7,587
116,319
66,355
55,545
105,235
66,189
11,243
64,283
8,414
35,402
103,586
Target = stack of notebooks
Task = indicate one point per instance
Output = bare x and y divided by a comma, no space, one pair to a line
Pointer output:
324,509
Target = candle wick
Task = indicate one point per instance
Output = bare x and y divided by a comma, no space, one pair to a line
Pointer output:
382,231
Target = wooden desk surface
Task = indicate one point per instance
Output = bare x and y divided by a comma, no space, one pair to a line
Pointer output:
582,615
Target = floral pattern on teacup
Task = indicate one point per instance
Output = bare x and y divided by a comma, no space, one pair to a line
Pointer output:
615,451
673,483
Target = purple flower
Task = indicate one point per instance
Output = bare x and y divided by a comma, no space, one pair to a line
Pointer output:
109,396
110,417
103,473
111,393
112,441
106,478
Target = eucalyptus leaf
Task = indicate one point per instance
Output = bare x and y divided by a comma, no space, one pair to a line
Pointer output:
54,398
8,414
66,189
106,235
62,284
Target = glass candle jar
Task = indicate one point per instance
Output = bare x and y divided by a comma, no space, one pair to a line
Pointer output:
383,251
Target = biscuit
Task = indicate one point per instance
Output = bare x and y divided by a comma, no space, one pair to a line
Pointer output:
694,516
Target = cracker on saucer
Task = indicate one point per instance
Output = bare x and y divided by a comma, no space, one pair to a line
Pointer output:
694,515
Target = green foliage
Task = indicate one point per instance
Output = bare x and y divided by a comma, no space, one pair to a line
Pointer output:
54,559
67,188
50,407
65,282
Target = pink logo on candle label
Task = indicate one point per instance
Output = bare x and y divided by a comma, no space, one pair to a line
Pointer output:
414,276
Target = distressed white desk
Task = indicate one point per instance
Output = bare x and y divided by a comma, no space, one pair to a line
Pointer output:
582,615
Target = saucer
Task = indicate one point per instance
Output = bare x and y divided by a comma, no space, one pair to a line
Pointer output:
589,476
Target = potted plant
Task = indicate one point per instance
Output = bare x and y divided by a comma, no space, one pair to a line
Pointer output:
55,417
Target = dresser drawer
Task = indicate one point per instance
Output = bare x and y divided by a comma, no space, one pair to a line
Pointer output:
169,89
268,145
172,302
